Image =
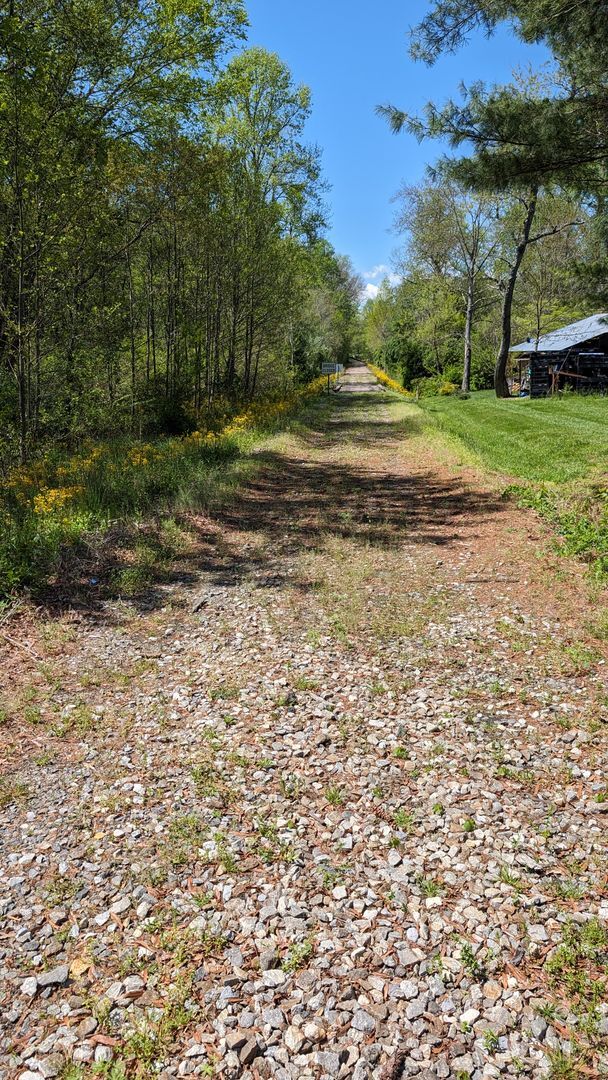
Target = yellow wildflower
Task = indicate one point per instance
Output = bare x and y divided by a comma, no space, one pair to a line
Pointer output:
50,500
387,381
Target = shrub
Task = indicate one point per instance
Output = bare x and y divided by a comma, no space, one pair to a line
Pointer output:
432,385
386,380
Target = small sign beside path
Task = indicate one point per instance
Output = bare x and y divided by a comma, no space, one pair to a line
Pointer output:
329,370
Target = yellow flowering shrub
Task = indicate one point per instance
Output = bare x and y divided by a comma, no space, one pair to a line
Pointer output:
386,380
49,500
54,502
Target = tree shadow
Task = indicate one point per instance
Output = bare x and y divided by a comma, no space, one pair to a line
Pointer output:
348,423
291,505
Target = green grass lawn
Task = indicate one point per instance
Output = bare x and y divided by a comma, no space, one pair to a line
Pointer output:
554,451
551,440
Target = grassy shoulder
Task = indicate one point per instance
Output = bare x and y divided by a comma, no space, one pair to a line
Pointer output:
552,450
551,440
62,503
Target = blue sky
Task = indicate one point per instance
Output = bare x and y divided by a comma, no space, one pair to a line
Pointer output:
353,55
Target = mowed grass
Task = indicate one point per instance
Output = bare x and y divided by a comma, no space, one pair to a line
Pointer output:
553,450
547,440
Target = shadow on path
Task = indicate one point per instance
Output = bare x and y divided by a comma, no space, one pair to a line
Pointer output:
292,504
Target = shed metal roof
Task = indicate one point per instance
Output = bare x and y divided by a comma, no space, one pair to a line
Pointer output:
574,334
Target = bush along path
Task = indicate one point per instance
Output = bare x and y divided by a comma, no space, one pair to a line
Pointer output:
330,801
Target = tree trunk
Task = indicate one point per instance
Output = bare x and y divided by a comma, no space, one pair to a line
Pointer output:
132,345
501,385
468,327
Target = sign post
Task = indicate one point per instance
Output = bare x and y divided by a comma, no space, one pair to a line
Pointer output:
329,370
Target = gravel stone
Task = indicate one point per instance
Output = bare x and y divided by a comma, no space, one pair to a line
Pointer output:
362,1021
55,977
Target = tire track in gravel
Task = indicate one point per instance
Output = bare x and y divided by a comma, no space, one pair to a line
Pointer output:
333,811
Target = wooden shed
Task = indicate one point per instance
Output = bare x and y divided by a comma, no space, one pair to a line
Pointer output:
576,356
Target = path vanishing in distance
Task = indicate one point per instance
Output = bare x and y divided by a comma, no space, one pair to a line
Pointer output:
358,379
326,800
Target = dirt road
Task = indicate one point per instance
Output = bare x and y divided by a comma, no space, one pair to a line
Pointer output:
328,800
357,379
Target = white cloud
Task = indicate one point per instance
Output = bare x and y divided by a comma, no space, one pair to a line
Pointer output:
370,292
381,272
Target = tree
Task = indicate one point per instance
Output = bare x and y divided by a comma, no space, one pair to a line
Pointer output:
516,236
79,80
451,233
328,324
158,220
559,135
481,171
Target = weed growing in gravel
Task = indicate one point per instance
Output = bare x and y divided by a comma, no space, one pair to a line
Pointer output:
580,963
187,829
473,966
580,658
225,854
100,1009
435,965
548,1010
563,1066
46,758
11,791
226,692
60,889
131,964
521,776
401,753
205,778
239,760
334,795
71,1072
269,846
404,820
509,878
490,1041
427,886
291,786
439,808
80,720
377,689
331,875
564,889
112,1070
298,954
302,683
469,825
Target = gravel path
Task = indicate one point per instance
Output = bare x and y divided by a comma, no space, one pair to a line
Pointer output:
334,806
357,379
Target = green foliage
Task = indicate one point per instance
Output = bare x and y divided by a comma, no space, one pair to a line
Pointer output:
474,967
566,131
158,224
